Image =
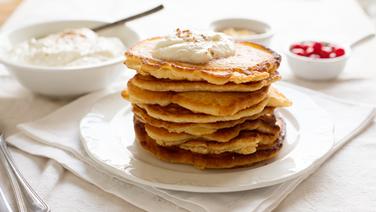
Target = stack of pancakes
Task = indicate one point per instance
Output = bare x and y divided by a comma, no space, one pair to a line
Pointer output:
214,115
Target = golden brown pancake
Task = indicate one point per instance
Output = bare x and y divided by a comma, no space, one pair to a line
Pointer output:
162,135
154,84
243,140
212,103
197,129
175,113
251,62
202,161
246,143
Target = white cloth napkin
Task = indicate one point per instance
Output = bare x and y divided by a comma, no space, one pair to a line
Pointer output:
56,136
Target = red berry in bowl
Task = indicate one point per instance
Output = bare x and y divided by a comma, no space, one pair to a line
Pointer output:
317,47
340,52
328,48
304,46
298,51
297,46
310,51
315,56
324,54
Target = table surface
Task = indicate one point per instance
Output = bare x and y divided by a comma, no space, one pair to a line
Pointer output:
6,8
347,182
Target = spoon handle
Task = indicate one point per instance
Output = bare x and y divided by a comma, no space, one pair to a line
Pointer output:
361,40
148,12
4,204
30,197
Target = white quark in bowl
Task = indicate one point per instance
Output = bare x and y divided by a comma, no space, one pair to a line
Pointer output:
66,58
69,48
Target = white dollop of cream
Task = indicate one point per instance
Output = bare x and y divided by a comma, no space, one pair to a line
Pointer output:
72,47
196,48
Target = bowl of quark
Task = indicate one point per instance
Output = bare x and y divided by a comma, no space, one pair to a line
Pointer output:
65,58
242,29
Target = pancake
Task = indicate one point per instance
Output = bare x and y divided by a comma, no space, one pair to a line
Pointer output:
154,84
245,143
212,103
175,113
162,135
194,128
251,62
202,161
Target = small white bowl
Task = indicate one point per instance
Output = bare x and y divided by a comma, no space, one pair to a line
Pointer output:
263,30
316,68
64,81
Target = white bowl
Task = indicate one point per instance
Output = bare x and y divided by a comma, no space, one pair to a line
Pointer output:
64,81
316,68
263,30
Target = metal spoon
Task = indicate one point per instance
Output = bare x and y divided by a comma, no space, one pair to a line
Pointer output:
27,199
133,17
4,204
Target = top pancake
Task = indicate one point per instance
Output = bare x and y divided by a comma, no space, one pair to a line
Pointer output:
251,62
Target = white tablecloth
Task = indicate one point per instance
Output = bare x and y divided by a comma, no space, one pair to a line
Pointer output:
347,182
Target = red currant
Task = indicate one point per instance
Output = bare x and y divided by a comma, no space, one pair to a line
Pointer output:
339,52
327,48
310,51
303,46
298,51
314,56
296,46
317,47
324,54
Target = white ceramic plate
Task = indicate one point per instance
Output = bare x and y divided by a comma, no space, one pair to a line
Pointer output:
108,137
